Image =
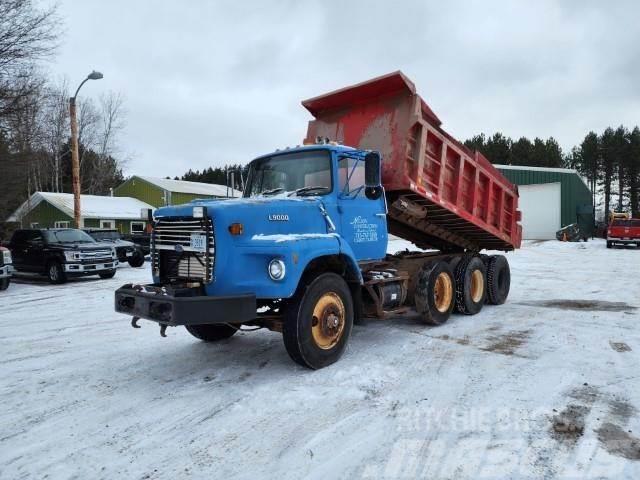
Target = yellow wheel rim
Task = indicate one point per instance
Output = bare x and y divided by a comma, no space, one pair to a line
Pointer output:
327,323
477,286
443,292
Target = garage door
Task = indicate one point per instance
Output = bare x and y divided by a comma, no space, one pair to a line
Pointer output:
540,207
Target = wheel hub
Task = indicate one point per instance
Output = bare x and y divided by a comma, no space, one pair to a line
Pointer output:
477,286
443,292
328,321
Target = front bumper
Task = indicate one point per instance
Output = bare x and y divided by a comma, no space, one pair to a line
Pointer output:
124,254
6,271
89,268
180,307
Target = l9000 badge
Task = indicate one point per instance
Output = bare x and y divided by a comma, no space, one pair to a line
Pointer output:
279,217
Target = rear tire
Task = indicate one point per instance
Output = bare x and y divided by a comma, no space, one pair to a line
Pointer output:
211,333
106,275
318,322
55,272
498,279
435,293
4,283
471,285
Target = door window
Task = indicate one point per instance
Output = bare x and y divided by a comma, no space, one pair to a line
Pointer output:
350,176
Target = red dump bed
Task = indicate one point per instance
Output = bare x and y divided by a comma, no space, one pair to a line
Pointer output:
440,194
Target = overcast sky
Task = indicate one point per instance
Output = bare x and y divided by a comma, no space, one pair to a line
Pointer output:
212,82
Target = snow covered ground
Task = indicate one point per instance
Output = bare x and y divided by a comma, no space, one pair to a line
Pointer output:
545,386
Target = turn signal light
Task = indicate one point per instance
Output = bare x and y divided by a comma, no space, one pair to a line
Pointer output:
236,229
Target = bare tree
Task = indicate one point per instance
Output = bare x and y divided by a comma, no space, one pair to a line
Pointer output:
55,130
108,129
27,35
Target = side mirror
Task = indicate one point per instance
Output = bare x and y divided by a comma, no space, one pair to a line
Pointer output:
372,176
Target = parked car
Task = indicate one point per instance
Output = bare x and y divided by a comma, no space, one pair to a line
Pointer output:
60,253
623,231
125,250
571,233
6,268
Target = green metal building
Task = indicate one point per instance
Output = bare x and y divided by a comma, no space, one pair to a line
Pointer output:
162,191
550,198
55,210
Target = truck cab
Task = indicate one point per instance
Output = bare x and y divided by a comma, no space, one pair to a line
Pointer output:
305,211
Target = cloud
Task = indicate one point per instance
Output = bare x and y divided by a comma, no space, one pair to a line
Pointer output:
208,83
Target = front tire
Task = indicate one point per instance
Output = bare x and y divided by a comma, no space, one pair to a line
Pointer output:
211,333
435,293
4,283
106,275
609,244
137,260
55,273
318,322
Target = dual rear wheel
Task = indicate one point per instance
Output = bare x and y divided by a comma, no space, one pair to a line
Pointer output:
464,284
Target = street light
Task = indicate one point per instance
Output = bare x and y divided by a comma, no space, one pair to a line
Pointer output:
75,160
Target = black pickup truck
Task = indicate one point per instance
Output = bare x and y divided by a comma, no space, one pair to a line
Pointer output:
126,250
60,253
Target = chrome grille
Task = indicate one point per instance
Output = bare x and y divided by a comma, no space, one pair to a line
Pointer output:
95,254
174,259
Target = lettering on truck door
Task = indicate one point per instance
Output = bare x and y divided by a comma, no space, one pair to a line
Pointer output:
362,221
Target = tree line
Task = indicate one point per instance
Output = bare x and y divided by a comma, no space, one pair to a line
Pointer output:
232,174
609,161
34,115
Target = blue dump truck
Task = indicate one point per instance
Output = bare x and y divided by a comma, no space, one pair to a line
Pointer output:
304,252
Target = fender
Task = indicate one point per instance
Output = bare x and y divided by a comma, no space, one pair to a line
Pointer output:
247,270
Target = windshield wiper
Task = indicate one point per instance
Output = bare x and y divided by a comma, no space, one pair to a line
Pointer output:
272,191
310,189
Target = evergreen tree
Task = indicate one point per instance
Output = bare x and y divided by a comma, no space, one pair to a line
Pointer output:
633,171
521,152
608,155
553,157
498,149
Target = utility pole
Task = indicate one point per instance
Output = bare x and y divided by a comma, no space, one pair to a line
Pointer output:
75,157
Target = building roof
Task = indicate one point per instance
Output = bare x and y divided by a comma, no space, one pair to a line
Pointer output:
91,206
570,171
536,169
195,188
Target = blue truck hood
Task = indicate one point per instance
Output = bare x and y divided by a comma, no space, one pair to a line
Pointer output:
263,218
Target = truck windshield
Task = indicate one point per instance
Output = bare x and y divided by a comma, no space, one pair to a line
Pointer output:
67,236
301,173
107,235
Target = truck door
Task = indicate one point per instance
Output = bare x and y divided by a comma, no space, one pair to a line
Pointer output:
363,222
18,247
34,252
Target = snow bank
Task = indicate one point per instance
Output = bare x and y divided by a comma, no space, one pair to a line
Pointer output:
86,396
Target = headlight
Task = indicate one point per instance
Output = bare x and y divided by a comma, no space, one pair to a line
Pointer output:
113,253
276,269
198,212
6,257
72,256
